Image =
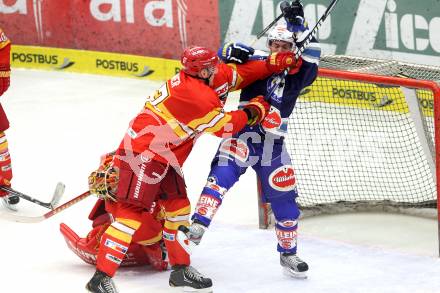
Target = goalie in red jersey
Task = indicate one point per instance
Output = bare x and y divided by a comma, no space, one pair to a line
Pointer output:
10,201
147,247
147,164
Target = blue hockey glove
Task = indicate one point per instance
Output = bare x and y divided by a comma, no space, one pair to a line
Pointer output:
294,16
235,52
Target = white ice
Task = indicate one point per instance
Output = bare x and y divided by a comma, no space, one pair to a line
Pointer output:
60,125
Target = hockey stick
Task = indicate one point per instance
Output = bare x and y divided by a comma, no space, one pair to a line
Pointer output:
315,29
266,29
304,43
264,208
37,219
58,193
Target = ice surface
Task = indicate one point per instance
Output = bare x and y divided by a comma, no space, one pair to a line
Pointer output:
60,125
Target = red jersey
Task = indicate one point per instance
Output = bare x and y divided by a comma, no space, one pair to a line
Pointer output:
5,71
4,52
183,108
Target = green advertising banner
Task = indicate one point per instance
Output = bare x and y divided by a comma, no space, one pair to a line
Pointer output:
404,30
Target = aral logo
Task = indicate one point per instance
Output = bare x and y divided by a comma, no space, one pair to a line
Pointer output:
20,7
156,13
100,10
283,179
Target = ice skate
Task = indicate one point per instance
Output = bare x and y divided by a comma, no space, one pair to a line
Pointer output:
101,283
196,231
189,279
293,266
190,237
10,202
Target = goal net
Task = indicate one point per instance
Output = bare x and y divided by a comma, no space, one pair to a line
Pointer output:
361,138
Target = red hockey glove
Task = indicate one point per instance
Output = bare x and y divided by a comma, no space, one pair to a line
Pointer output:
256,110
277,62
5,164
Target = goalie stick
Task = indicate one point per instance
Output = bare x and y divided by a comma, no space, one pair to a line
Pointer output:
37,219
58,193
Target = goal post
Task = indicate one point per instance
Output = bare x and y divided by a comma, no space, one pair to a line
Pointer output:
366,137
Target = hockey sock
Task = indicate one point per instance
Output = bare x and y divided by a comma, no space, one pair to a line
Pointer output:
286,235
114,245
208,203
176,253
5,163
286,213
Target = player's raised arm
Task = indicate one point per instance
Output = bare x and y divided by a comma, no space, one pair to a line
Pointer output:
204,112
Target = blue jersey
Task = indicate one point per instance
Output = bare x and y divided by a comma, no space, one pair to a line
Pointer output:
288,88
263,148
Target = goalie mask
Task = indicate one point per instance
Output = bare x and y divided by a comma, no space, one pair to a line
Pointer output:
280,33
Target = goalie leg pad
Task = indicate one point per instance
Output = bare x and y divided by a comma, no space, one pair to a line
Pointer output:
157,256
86,252
87,249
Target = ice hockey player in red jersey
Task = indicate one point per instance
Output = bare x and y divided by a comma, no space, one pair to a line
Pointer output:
154,148
10,201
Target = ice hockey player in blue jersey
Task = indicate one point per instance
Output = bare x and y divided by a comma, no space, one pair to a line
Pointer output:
262,147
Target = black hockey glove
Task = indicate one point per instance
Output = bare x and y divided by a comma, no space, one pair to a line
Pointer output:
235,52
294,15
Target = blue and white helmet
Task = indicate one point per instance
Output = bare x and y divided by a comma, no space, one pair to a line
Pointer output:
280,33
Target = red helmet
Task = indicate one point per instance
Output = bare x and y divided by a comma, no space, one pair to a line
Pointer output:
197,58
